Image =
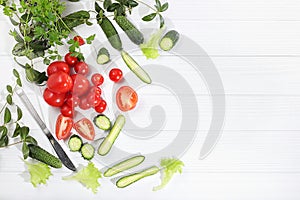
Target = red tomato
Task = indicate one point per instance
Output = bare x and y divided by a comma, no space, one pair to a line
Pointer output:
126,98
79,40
115,75
67,111
70,60
81,68
54,99
58,66
72,101
81,84
63,127
84,104
97,79
94,99
101,107
85,128
95,90
60,82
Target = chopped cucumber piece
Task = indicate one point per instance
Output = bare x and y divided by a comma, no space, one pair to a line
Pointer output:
124,165
135,68
102,122
107,143
44,156
103,56
87,151
128,180
75,143
169,40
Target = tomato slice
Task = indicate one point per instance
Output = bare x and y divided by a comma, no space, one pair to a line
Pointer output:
63,127
85,128
126,98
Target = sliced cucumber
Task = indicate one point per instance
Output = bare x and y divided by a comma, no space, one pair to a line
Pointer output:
136,68
128,180
87,151
124,165
169,40
102,122
44,156
75,143
107,143
131,31
103,56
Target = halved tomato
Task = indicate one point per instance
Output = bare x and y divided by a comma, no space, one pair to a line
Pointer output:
85,128
126,98
63,127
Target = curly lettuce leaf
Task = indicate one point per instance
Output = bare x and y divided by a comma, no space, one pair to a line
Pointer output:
39,173
170,167
150,48
87,176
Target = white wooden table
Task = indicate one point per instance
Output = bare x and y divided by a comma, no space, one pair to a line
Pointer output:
255,45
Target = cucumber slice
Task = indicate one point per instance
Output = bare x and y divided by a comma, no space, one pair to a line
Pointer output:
44,156
135,68
169,40
75,143
103,56
107,143
128,180
102,122
87,151
131,31
124,165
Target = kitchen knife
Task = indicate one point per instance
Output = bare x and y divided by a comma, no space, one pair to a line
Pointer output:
58,149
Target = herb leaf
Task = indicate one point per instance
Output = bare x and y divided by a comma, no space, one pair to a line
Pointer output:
149,17
7,115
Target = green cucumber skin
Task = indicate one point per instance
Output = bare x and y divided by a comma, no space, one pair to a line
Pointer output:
114,169
70,145
82,151
121,183
131,31
111,33
42,155
106,145
96,123
70,21
173,36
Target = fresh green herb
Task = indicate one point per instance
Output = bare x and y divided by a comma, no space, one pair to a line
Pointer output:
87,176
150,48
39,173
120,7
75,47
159,8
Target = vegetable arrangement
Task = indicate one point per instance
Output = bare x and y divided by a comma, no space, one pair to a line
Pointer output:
71,87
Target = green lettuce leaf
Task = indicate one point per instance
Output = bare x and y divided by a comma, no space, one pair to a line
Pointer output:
170,167
87,176
150,48
39,173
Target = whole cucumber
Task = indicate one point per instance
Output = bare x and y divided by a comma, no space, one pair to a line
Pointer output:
131,31
44,156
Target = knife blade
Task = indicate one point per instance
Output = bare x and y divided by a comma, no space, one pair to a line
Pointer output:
57,147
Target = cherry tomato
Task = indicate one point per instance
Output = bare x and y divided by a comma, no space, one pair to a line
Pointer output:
79,40
67,111
97,79
54,99
126,98
81,68
115,75
81,84
60,82
84,104
101,107
94,99
95,90
70,60
85,128
58,66
63,127
72,100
